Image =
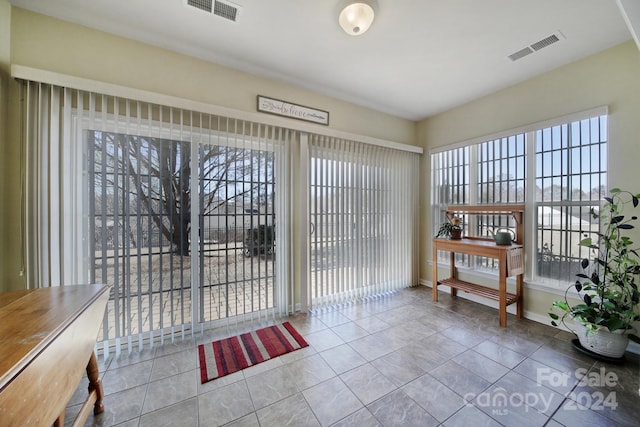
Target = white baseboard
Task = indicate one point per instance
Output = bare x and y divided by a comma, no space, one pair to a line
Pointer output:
536,317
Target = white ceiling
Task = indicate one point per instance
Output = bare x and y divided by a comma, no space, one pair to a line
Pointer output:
419,58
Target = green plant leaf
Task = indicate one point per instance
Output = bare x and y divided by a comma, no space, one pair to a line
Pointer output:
579,307
614,324
616,219
562,305
586,242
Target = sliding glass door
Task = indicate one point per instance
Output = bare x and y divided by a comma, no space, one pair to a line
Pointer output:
180,212
238,234
143,218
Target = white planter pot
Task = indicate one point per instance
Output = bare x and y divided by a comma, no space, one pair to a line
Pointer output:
603,342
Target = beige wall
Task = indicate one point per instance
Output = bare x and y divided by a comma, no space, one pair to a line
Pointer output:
609,78
10,260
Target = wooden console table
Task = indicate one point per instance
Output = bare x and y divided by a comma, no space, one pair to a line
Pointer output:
47,337
510,259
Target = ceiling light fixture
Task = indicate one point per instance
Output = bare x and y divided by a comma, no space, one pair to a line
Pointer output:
356,16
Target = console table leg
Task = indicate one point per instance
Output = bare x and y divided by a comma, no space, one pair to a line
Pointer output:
95,384
452,271
519,291
434,275
503,291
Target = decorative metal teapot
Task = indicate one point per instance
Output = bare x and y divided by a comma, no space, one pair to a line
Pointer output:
503,236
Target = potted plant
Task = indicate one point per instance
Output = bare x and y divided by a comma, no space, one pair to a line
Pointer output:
452,229
607,285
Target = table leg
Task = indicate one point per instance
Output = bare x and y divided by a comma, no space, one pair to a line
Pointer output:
503,291
434,274
95,384
452,271
60,421
519,288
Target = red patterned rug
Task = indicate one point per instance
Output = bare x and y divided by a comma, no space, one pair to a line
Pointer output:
229,355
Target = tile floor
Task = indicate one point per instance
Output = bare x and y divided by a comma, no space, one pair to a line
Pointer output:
398,360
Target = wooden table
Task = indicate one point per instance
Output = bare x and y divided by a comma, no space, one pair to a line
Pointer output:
505,254
47,338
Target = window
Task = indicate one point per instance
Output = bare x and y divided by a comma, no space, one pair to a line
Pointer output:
570,180
502,170
557,169
449,181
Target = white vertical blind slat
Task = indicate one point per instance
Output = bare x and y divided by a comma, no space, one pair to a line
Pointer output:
55,190
42,163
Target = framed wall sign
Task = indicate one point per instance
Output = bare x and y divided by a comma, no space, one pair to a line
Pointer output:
294,111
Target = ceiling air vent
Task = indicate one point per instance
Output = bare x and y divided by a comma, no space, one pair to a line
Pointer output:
521,53
545,42
201,4
540,44
223,9
226,10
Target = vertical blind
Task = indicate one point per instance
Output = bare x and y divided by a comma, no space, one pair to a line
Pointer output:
181,212
363,219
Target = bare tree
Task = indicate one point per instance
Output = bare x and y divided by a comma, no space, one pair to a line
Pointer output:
154,175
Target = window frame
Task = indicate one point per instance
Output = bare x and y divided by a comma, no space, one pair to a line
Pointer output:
531,202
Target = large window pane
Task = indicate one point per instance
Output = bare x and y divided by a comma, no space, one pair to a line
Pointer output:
141,209
571,182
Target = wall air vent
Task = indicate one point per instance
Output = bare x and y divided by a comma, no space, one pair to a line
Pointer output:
540,44
224,9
